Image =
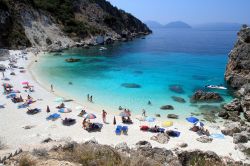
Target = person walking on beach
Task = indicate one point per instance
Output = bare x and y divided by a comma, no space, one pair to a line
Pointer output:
51,88
143,112
104,114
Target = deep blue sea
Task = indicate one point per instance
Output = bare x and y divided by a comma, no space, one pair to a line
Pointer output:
188,58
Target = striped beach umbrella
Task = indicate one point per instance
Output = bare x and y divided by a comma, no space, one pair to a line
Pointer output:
89,116
65,110
199,124
7,85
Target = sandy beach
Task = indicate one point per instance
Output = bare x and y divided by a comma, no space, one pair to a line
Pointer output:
13,121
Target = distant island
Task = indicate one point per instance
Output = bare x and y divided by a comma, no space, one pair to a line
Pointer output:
178,24
174,24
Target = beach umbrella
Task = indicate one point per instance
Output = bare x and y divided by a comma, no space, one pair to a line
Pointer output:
59,99
53,116
124,114
15,91
192,119
89,116
65,110
11,95
6,85
199,124
150,119
167,124
25,82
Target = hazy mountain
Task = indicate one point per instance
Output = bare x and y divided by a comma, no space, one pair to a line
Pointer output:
153,24
219,26
177,24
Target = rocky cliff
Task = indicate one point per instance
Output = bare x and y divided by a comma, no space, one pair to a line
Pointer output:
48,24
238,67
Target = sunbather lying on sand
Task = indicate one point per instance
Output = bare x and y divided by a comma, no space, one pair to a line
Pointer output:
62,105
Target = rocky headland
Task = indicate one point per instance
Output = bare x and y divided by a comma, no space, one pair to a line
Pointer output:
53,26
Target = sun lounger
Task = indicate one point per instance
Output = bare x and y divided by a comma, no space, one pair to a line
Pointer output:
93,127
173,133
68,122
125,130
33,111
118,130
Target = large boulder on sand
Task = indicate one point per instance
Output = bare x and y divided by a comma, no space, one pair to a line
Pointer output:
204,139
162,138
231,128
202,96
240,138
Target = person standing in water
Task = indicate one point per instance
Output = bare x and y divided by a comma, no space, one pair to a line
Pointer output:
143,112
88,97
104,114
91,99
149,102
51,88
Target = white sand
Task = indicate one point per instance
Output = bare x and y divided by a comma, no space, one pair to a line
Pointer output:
12,121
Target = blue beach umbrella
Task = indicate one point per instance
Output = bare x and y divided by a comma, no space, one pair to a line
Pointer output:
11,95
192,119
53,116
199,124
150,119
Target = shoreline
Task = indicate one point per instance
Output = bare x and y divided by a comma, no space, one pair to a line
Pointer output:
16,136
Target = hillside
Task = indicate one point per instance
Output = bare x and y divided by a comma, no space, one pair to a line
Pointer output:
47,24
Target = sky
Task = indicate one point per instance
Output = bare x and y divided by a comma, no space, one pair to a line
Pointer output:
191,11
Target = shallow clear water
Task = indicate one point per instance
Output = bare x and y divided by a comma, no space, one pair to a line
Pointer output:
189,58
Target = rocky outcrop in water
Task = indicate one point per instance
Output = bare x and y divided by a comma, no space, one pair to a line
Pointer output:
238,68
202,96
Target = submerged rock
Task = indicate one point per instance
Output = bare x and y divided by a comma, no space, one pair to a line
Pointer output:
131,85
176,88
202,96
173,116
178,99
71,60
167,107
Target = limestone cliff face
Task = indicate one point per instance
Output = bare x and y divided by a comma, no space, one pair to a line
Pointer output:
238,67
56,24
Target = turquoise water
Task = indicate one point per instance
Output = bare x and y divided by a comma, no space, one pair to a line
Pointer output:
188,58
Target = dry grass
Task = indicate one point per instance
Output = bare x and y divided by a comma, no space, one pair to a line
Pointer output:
26,161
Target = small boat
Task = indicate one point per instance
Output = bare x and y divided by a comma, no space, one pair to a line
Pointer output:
216,87
72,60
102,48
